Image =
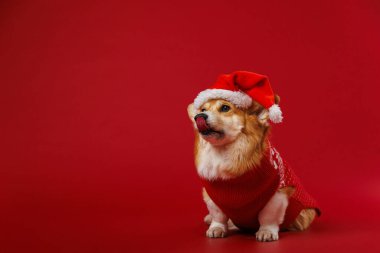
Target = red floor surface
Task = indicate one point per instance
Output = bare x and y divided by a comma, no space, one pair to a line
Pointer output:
96,148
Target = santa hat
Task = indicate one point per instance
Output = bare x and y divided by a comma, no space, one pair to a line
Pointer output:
240,88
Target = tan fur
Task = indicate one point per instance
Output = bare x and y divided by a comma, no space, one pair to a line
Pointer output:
276,99
247,145
191,113
287,190
303,220
205,194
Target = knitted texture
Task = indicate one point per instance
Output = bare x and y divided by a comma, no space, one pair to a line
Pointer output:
243,197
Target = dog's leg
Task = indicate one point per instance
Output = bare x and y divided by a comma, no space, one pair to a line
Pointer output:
218,227
271,216
231,226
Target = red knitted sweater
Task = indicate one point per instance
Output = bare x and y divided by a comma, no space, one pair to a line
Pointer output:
242,198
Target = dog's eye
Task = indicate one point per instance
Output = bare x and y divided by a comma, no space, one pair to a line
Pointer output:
203,110
225,108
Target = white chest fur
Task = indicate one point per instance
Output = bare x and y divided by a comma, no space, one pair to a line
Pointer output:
214,162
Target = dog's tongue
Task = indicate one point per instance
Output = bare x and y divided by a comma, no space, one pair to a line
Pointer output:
201,124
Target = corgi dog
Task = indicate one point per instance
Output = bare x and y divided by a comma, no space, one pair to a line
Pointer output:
246,183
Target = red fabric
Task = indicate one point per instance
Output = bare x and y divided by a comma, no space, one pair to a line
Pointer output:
242,198
97,147
255,85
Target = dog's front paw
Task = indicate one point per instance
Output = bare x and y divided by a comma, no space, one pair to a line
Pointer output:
267,235
216,232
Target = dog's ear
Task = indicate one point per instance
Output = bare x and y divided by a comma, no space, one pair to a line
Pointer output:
260,112
263,117
255,108
191,111
276,99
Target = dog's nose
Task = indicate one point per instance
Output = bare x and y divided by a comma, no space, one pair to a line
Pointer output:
202,115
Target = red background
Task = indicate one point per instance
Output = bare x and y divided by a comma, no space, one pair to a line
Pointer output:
96,147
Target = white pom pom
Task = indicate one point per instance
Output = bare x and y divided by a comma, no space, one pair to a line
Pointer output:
275,114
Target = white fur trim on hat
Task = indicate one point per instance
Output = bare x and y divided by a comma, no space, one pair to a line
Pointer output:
275,114
238,98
